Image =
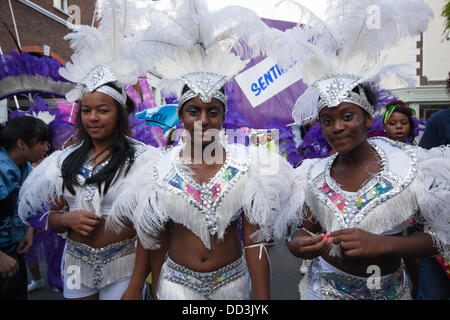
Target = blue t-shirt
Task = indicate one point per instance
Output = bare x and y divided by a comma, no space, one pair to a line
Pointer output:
437,131
12,177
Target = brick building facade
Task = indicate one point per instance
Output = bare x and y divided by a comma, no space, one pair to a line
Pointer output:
42,23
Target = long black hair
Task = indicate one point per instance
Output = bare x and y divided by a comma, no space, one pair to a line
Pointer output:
31,130
121,151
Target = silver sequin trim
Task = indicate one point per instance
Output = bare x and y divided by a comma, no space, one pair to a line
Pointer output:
209,210
352,216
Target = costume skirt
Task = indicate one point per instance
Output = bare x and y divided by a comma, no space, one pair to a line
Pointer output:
325,282
231,282
99,267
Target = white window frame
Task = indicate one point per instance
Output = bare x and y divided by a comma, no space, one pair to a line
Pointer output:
61,5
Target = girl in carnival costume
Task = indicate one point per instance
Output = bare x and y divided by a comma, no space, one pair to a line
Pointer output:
355,204
81,182
186,208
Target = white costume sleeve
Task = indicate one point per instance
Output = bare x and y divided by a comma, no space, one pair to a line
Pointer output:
137,202
294,213
42,186
434,196
267,191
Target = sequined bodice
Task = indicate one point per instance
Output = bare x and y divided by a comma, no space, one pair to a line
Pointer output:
350,208
90,191
206,197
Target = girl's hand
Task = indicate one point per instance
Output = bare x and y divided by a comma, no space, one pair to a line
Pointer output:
360,243
26,243
82,222
310,247
8,266
132,294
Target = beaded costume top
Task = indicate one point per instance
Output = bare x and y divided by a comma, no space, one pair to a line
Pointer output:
412,184
353,209
252,180
45,183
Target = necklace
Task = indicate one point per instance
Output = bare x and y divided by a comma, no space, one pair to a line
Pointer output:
92,157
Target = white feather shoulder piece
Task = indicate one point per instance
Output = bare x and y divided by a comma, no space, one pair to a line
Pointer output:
434,196
44,184
294,213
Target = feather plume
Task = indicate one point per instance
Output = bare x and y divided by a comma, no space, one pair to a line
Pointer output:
350,41
371,26
101,46
185,37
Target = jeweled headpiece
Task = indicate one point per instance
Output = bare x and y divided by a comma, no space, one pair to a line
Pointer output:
97,58
335,89
96,80
186,44
339,53
204,85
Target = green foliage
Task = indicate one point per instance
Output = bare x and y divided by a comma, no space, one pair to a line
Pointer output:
446,15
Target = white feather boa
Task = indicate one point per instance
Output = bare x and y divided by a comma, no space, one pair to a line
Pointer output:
434,196
294,213
261,191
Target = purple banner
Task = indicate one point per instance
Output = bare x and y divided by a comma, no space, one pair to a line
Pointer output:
279,107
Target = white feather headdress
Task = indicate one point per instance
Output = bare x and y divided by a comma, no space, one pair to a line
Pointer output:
186,43
344,50
97,57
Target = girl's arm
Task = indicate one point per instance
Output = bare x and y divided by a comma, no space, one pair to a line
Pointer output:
82,222
360,243
157,258
257,261
140,273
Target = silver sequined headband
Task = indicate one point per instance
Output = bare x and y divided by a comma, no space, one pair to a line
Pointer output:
358,99
116,95
96,80
188,95
335,89
204,85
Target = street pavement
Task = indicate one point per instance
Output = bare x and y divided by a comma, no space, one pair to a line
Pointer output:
285,276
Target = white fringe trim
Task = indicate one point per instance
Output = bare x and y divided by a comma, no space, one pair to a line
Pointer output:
293,212
111,271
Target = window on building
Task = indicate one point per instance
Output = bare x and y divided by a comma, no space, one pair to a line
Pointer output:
427,110
61,5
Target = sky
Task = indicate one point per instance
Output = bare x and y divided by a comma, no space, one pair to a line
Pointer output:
269,8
